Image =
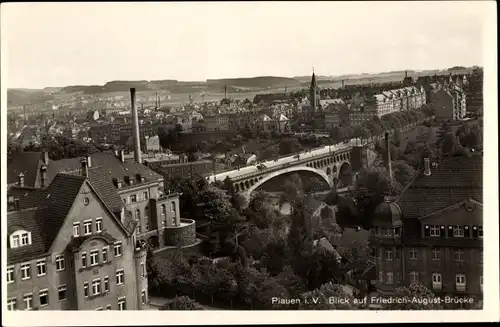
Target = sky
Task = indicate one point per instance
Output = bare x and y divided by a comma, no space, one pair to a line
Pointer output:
59,44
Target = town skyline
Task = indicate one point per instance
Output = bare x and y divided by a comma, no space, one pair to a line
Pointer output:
83,54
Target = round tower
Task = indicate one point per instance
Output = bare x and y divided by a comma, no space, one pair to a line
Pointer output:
387,228
140,256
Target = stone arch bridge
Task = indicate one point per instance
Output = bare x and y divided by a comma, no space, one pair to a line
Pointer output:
332,164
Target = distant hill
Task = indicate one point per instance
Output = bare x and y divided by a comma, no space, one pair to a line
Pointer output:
19,97
261,82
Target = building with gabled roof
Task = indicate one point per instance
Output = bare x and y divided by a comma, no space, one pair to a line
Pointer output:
433,232
70,251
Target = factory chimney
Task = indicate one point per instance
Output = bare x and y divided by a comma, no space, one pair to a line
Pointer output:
137,140
225,92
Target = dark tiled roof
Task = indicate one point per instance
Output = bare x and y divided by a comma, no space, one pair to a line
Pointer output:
99,178
60,197
31,220
28,197
453,180
27,163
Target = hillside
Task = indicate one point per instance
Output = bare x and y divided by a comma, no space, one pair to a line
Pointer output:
261,82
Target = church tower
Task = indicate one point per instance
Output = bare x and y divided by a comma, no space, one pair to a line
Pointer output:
314,95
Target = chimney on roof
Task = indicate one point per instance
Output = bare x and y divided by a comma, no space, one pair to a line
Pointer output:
388,158
20,179
122,155
43,173
427,167
137,140
45,157
89,160
84,167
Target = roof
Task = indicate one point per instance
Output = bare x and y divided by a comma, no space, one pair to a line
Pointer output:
46,219
388,214
106,161
27,163
324,244
453,180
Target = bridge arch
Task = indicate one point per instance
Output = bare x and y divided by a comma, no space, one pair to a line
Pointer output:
318,172
345,173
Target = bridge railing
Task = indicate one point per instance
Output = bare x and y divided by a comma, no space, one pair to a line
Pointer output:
289,164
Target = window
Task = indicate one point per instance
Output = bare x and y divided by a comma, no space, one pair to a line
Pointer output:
117,249
14,241
163,210
460,279
86,201
396,232
436,278
25,271
459,255
61,292
106,284
435,231
436,254
480,231
96,286
413,254
98,225
44,297
10,274
143,270
173,207
20,238
25,239
381,276
41,267
28,301
122,304
84,260
12,304
94,257
144,299
60,263
133,198
76,229
86,289
120,277
413,276
458,231
137,214
145,195
388,254
105,255
87,227
389,277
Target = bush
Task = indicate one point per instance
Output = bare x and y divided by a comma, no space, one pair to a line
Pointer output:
182,303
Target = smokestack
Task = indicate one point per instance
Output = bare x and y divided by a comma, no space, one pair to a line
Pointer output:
43,181
427,166
343,85
85,168
122,155
45,154
406,73
225,92
89,160
137,140
20,179
388,147
156,100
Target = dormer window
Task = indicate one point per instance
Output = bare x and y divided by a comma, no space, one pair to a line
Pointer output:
20,238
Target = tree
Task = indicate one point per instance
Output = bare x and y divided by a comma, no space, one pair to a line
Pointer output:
403,172
449,144
275,253
396,138
292,283
331,197
371,187
289,146
182,303
418,298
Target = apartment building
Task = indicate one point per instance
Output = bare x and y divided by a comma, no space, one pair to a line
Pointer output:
433,232
217,122
448,104
68,250
407,98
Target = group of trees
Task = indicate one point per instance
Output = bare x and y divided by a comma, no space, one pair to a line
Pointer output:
61,147
376,126
267,255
